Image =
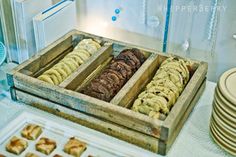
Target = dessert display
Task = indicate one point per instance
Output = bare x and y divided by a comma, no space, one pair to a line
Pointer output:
107,88
31,132
163,91
116,74
45,145
31,155
59,72
16,145
75,147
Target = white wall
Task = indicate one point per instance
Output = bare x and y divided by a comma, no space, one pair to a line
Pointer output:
220,50
225,51
133,24
194,27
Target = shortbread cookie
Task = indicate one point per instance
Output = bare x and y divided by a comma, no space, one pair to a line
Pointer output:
16,145
46,145
75,147
31,155
55,73
65,67
57,155
86,53
46,78
31,132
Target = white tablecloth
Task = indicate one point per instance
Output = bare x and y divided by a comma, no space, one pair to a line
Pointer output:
193,140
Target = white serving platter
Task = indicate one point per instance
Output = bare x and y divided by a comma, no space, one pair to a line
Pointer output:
98,144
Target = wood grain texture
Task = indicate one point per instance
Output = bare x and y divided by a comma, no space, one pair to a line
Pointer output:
184,100
128,135
185,116
88,104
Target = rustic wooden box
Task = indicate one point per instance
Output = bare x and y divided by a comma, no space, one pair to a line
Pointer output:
113,118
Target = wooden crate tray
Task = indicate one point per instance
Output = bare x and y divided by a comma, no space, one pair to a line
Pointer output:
116,113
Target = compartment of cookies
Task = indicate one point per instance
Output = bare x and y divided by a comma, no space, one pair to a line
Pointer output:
157,90
106,77
61,60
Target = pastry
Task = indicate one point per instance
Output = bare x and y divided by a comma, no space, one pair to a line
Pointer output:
83,51
55,73
64,67
88,45
163,91
31,155
75,56
56,155
59,72
46,78
54,79
45,145
75,147
70,63
31,132
2,155
16,145
115,75
62,72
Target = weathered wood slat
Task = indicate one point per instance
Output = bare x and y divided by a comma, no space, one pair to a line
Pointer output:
183,101
88,104
184,117
128,135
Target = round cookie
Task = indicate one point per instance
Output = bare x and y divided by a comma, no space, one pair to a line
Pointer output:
165,83
65,67
54,72
83,56
86,53
54,79
163,91
90,48
75,57
61,71
163,104
79,59
46,78
70,63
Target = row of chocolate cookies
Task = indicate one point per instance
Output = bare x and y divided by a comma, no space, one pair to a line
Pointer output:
163,91
115,75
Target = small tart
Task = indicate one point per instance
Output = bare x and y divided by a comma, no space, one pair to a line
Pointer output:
16,145
31,132
31,155
75,147
46,145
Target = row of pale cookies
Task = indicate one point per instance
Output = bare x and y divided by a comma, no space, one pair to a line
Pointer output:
82,52
163,91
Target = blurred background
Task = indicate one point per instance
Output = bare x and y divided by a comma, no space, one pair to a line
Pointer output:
198,29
